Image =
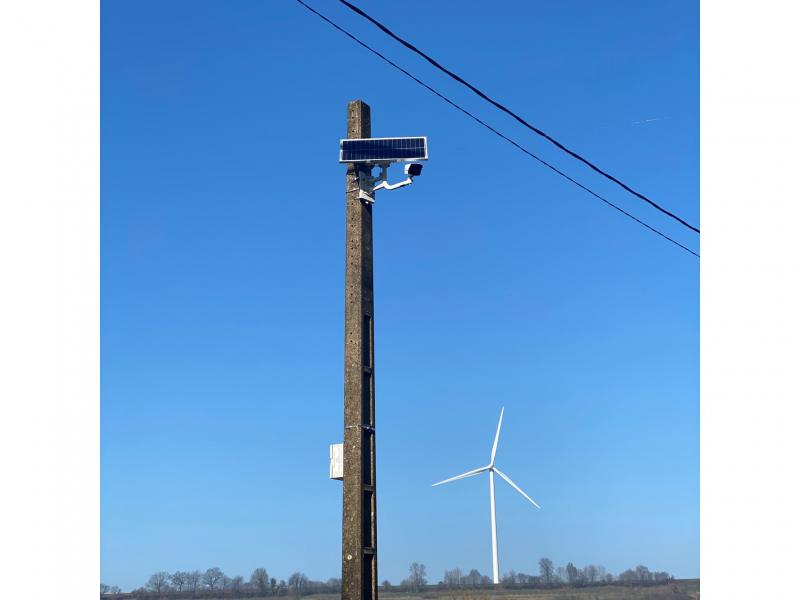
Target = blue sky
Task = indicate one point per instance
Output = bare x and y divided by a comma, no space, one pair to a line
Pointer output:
497,284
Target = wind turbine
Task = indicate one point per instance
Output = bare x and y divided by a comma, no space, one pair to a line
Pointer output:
492,470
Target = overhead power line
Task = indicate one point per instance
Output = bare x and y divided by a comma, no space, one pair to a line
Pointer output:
492,129
508,111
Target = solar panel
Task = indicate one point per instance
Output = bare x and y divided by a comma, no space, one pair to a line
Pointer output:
373,150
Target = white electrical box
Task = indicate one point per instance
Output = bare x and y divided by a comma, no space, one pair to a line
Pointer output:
337,462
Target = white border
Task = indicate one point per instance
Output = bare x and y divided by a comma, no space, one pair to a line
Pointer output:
49,258
750,299
49,311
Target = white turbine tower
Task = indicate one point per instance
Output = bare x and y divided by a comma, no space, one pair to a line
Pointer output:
492,470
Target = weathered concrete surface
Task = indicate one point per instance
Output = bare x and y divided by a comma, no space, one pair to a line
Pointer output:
359,530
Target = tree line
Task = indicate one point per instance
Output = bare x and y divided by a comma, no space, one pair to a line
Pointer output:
214,583
549,576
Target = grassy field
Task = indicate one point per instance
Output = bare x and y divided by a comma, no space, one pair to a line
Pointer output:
684,589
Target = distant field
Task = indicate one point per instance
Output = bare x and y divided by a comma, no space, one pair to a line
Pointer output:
684,589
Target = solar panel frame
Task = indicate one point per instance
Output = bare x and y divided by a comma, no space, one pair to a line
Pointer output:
372,150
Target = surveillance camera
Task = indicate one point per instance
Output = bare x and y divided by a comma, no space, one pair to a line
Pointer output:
413,169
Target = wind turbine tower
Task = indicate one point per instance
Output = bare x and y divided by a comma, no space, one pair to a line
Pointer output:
492,470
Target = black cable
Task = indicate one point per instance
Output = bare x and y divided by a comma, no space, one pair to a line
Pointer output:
492,129
536,130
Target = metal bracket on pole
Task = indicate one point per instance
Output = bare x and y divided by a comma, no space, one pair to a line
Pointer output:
392,186
367,427
367,187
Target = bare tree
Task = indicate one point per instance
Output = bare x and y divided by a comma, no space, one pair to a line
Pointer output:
452,578
509,578
609,578
273,585
661,577
212,577
643,574
417,576
236,584
387,585
260,580
474,578
546,570
561,575
179,579
104,589
158,582
525,579
224,583
601,573
334,584
193,579
628,576
572,574
297,584
590,572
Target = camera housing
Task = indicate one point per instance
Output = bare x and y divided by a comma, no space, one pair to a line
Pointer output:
413,169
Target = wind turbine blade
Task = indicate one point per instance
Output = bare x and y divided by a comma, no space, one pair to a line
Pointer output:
515,486
497,435
463,475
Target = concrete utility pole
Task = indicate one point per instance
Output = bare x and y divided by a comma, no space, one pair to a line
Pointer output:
359,516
